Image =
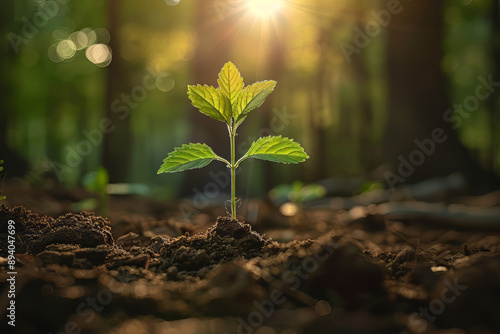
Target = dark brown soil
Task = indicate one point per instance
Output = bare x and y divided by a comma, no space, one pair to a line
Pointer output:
226,240
337,275
34,232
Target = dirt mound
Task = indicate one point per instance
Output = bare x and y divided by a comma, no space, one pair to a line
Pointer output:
226,240
34,232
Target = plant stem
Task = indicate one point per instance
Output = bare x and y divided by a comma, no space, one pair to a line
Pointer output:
232,135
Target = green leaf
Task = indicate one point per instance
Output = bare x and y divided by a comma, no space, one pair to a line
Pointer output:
188,157
230,82
276,149
251,98
211,102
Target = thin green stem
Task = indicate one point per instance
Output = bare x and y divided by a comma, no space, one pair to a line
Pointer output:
232,135
240,161
223,160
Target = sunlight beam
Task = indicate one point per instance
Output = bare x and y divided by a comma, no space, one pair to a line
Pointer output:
264,9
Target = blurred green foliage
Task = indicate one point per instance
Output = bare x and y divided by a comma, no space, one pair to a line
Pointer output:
54,101
297,192
97,181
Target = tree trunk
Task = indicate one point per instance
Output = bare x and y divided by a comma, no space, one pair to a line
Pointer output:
495,96
116,144
418,104
14,164
367,150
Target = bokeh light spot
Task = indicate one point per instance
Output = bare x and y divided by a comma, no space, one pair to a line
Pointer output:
53,55
61,34
73,292
66,49
91,36
172,2
140,290
102,35
323,308
165,82
289,209
99,54
80,39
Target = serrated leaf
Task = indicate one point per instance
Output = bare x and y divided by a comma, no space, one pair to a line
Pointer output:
251,98
211,102
276,149
230,82
189,156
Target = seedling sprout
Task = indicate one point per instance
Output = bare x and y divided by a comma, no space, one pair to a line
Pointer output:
231,103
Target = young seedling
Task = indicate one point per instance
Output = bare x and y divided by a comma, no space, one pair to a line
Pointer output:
231,103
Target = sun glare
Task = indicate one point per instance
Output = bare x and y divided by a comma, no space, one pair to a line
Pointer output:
264,9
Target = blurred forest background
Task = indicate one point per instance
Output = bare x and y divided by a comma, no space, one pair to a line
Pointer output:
104,83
